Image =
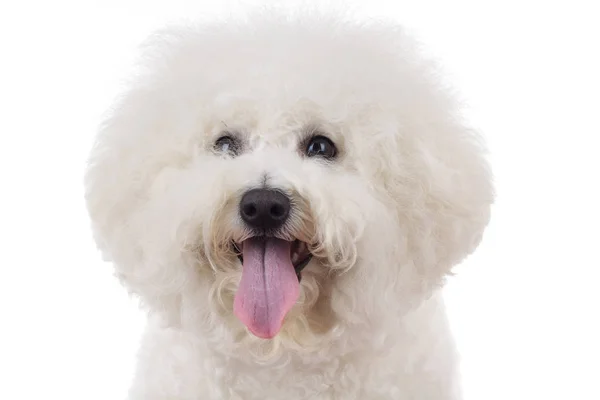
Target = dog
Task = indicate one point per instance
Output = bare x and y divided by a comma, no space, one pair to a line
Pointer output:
286,196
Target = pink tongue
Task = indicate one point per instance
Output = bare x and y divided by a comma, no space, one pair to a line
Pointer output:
269,286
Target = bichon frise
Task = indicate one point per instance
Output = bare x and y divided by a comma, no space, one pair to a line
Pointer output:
286,196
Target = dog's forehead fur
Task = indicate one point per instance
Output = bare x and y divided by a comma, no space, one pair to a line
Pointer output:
267,78
287,62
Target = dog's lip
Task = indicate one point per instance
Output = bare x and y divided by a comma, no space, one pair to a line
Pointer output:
300,255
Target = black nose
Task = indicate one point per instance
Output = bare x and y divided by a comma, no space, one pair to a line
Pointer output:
264,208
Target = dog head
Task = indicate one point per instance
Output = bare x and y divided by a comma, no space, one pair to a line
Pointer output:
285,181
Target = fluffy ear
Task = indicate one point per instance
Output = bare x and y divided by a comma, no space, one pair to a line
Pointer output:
435,174
115,180
110,188
125,191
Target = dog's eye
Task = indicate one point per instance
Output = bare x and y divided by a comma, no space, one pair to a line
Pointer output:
320,146
227,145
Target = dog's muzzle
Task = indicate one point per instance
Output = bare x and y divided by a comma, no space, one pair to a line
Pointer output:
271,267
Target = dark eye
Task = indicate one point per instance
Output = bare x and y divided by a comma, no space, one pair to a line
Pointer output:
320,146
227,145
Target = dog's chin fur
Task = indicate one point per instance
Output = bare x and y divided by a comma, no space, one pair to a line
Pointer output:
406,199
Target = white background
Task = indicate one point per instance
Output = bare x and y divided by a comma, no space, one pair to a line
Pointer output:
525,307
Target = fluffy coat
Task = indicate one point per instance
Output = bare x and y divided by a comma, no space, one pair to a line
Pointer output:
407,198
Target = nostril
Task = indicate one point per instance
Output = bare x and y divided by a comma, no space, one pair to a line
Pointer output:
277,211
249,210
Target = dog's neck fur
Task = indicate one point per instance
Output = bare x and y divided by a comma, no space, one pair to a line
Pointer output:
416,354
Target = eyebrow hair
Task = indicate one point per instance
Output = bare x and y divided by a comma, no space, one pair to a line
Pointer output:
312,128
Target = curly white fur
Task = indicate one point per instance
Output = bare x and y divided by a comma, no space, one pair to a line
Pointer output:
407,199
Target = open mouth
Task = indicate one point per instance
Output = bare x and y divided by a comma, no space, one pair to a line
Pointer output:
300,256
270,282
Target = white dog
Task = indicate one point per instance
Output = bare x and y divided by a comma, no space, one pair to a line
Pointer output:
286,197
